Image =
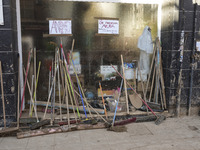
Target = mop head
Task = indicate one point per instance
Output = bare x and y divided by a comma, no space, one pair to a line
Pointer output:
118,128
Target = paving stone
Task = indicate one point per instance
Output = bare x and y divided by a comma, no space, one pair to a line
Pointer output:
13,143
41,141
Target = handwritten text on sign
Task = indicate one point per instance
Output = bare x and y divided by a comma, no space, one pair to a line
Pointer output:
60,27
108,26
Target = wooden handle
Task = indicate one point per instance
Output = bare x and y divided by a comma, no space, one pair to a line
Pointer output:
125,85
2,96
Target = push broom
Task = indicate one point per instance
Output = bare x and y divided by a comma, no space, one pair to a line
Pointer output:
159,118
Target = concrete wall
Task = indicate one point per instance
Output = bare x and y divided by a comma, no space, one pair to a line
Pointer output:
8,57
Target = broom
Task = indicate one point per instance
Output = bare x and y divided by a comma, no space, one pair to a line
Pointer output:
121,128
159,118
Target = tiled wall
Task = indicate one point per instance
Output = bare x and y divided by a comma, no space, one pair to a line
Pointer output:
178,15
9,59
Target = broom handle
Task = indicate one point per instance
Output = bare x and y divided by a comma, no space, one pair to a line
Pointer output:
66,101
18,95
35,89
83,94
78,83
151,68
27,70
72,89
152,83
30,92
117,103
67,84
58,61
93,109
103,100
135,92
2,97
35,66
144,93
125,87
52,84
70,94
71,84
79,89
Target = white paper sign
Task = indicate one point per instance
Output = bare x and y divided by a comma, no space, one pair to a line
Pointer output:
60,27
108,26
1,13
198,46
107,69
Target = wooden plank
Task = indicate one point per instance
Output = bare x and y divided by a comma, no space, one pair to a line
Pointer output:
57,105
64,128
8,130
42,132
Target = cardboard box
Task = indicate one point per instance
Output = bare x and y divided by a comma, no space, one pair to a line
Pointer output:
106,93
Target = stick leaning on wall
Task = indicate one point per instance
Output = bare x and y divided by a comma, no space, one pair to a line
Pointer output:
2,97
